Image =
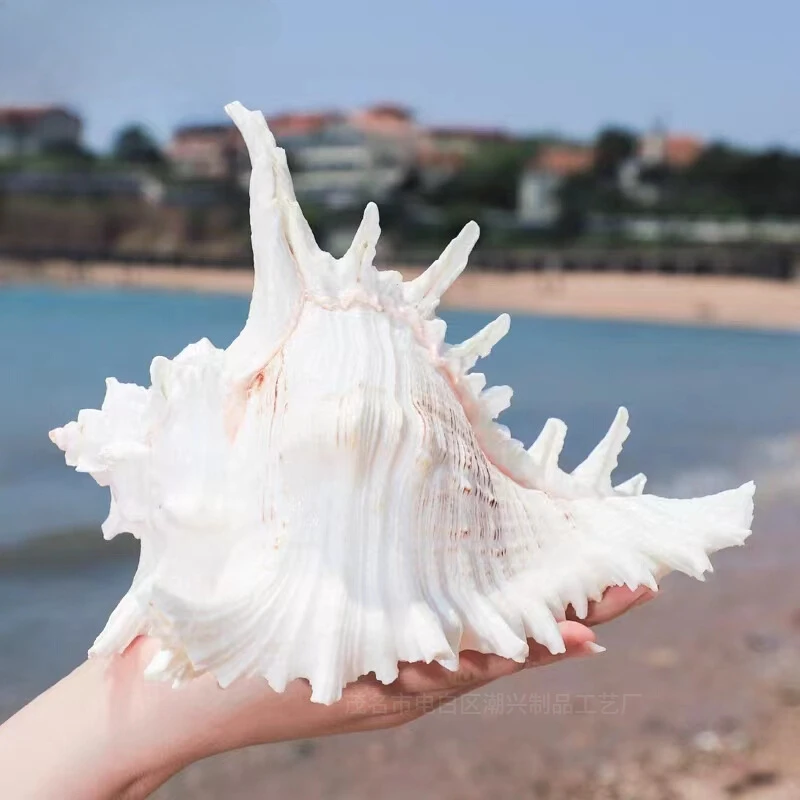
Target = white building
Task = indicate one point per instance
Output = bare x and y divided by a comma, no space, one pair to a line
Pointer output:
345,160
32,131
538,203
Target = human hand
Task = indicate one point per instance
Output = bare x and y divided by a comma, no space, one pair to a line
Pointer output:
112,734
250,713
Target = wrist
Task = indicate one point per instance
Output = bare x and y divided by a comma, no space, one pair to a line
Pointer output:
154,731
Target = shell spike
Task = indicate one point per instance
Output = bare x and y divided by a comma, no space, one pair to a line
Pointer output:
361,254
301,237
255,131
548,446
632,487
426,291
277,282
496,400
596,470
270,181
481,344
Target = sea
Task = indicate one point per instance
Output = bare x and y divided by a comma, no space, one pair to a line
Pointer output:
710,408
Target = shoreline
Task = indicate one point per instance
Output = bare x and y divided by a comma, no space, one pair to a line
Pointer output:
706,300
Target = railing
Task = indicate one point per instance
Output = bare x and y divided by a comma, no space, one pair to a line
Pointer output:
767,262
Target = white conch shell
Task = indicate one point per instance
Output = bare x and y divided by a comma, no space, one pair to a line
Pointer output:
331,495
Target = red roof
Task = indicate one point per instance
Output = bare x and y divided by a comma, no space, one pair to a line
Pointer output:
390,110
677,150
28,115
563,159
682,151
391,121
298,123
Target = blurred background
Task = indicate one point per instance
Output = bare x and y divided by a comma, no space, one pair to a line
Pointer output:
635,170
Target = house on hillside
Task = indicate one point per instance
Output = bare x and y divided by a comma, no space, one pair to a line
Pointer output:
657,151
29,131
538,203
337,159
442,152
343,160
209,152
463,141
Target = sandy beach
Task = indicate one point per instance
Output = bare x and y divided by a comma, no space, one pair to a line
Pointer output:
678,299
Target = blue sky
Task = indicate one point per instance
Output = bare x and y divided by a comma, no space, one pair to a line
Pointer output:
720,69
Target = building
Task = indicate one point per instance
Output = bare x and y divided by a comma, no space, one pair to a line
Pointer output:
538,203
30,131
337,159
209,152
461,141
343,160
657,151
442,152
677,151
284,126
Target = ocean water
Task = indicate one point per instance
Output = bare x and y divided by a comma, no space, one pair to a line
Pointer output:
709,408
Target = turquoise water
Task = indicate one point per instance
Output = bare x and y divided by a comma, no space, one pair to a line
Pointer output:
701,400
708,409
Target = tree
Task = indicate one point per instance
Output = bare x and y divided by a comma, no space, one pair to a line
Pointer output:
731,181
490,177
67,153
613,146
134,145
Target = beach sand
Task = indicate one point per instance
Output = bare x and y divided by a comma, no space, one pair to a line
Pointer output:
687,299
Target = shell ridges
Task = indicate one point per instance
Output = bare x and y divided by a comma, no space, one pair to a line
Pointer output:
331,494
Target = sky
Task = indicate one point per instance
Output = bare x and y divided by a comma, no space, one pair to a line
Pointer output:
718,68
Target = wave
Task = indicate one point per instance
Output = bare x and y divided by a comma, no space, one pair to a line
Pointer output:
772,462
65,548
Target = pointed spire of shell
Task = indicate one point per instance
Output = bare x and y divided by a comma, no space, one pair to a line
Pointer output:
596,470
361,253
548,446
496,400
426,291
280,236
481,344
476,381
632,487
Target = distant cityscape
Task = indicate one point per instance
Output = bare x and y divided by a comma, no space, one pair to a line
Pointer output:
650,188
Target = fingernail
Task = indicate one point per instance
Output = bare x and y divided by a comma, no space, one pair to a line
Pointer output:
592,648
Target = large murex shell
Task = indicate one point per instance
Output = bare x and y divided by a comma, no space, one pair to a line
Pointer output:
331,495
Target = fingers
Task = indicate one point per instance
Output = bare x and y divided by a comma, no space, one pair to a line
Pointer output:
476,669
616,601
420,687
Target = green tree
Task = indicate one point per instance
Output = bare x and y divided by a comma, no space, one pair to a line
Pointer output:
613,146
134,145
66,153
729,181
489,179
